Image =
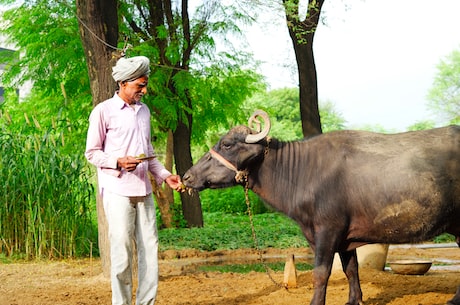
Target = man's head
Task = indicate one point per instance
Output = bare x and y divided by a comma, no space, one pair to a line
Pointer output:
128,69
131,74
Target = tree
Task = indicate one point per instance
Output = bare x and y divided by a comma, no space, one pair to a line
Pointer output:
444,96
50,51
188,75
302,33
99,36
176,43
331,118
421,125
282,107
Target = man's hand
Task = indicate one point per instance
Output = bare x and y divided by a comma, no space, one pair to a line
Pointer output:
175,183
128,163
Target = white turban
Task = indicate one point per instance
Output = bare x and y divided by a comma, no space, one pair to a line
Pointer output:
128,69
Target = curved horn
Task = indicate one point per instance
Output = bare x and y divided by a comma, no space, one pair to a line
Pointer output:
253,138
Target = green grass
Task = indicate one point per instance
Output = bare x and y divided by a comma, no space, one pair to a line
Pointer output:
223,231
444,238
257,267
228,232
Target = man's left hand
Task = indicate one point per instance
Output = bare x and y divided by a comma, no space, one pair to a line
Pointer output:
175,183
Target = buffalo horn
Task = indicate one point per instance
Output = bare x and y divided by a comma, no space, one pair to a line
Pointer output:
253,138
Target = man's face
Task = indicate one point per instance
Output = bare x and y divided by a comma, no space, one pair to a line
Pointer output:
132,91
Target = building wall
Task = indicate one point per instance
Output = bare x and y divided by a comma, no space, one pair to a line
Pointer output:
24,90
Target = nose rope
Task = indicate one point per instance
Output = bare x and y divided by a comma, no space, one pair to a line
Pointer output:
240,175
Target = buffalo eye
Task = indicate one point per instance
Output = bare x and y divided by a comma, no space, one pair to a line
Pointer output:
226,145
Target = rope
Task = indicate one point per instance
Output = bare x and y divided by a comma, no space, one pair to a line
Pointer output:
240,175
98,38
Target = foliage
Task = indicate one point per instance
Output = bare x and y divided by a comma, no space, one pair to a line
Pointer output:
257,267
219,92
331,119
46,35
67,119
46,198
189,74
178,220
230,200
49,47
282,105
374,128
444,238
422,125
229,231
224,231
444,96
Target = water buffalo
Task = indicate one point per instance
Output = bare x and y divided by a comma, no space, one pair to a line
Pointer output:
345,188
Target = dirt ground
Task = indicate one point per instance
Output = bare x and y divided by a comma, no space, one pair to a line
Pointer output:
80,282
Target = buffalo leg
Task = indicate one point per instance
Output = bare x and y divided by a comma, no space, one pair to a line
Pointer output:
456,299
324,255
321,275
350,268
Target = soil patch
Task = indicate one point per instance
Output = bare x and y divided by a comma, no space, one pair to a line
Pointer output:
80,282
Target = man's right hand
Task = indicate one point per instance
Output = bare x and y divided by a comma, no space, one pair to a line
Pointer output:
128,163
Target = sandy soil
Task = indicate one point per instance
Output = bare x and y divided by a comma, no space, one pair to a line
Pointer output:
81,282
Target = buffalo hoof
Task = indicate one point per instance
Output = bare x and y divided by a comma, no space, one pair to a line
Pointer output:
361,303
456,299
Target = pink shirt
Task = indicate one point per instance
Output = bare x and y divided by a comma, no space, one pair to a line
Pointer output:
118,130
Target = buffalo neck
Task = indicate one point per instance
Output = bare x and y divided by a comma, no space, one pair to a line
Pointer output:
282,172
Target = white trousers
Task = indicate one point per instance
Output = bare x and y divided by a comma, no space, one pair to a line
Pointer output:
132,218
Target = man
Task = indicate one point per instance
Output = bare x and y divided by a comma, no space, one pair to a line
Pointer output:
118,136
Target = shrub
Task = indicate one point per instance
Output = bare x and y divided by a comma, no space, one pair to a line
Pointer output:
231,200
46,195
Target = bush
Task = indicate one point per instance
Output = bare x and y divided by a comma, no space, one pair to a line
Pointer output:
45,207
231,200
229,232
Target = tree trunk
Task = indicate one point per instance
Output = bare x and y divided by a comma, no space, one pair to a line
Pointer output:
161,16
169,162
98,33
308,89
191,205
163,203
164,196
302,34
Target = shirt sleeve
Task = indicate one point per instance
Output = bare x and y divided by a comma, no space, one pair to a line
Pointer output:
95,142
157,169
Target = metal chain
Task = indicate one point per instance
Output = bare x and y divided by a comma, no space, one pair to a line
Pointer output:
254,237
242,176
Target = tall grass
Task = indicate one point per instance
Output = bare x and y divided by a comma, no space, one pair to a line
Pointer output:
46,195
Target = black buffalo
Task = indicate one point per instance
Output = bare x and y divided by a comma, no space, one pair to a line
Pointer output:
345,188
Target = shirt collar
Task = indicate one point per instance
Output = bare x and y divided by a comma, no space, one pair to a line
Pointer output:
121,103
